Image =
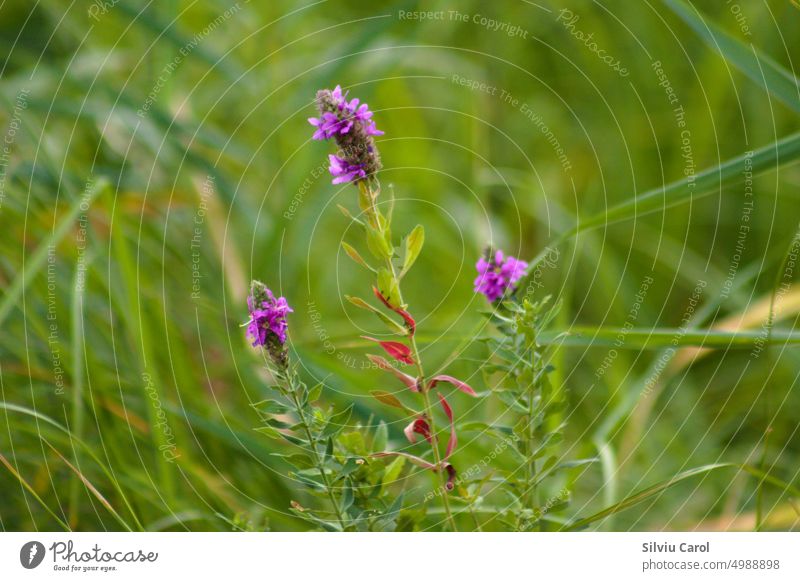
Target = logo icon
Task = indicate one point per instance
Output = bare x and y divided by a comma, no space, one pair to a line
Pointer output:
31,554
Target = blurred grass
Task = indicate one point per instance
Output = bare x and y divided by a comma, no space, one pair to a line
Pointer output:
468,165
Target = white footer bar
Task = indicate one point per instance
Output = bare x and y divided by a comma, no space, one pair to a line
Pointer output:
401,556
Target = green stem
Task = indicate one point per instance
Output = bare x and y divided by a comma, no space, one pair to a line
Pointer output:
530,462
374,213
291,382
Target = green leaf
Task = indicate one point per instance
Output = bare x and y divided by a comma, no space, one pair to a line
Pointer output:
392,473
315,392
330,526
394,326
413,246
381,437
377,244
308,481
270,406
300,461
353,253
347,214
351,465
347,498
762,70
387,285
353,442
337,422
387,398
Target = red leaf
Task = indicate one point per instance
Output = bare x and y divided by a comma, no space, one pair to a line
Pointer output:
453,440
409,381
381,298
411,324
451,476
456,382
394,349
418,426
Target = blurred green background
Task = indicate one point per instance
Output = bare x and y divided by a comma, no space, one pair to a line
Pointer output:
156,157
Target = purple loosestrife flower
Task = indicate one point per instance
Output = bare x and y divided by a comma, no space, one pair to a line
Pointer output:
267,325
342,171
498,274
350,124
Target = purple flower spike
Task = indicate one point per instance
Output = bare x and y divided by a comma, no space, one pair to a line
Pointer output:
328,125
342,171
267,325
350,124
498,275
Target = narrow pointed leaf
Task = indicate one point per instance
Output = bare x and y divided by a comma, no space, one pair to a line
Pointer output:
453,440
413,246
407,380
394,349
393,325
453,381
387,285
357,258
387,398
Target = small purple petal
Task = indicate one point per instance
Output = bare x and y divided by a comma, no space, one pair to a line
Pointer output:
500,275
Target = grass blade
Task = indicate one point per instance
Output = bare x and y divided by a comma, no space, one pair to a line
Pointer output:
762,70
651,491
32,492
667,337
39,256
707,181
91,488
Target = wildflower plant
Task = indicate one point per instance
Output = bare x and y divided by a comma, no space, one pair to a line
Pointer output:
350,125
520,369
328,455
